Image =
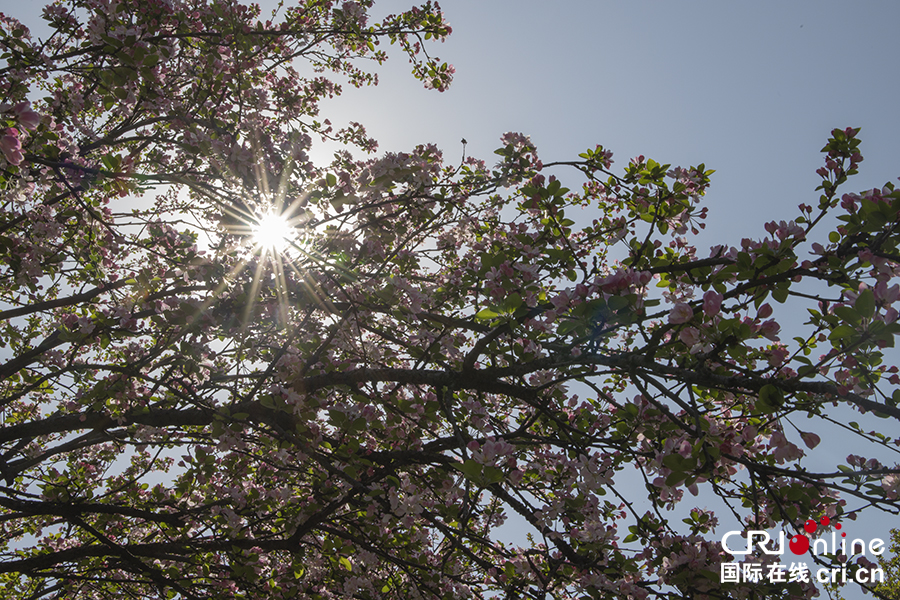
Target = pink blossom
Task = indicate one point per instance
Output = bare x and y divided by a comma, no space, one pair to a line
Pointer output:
560,301
517,140
848,202
615,282
689,336
765,311
26,117
891,486
783,450
886,295
777,355
85,325
515,476
681,313
712,303
11,146
769,329
810,439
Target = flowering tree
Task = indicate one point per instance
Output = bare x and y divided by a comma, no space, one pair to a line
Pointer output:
890,588
197,406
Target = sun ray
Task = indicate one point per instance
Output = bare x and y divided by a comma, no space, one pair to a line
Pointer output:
281,290
255,285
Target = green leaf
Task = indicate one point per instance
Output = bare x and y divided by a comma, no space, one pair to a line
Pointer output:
471,469
840,332
492,474
770,399
894,400
847,314
865,304
485,314
512,302
618,302
807,371
674,462
568,326
674,478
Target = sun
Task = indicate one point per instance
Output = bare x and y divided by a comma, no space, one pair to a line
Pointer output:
273,233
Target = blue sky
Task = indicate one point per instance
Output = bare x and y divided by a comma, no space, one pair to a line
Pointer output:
751,89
